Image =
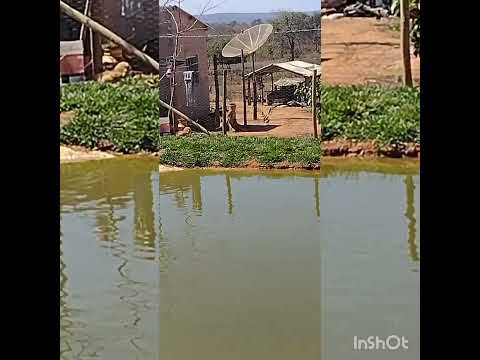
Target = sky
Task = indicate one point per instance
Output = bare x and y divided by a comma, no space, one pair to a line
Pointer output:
251,6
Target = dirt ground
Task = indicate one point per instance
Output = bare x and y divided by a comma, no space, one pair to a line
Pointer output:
166,168
283,121
362,50
75,153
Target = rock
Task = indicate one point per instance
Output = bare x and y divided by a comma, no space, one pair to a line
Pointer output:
355,150
332,150
282,165
369,152
324,12
343,149
104,145
333,4
391,152
411,151
335,16
362,10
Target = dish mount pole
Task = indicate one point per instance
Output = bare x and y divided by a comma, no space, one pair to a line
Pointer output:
243,90
254,89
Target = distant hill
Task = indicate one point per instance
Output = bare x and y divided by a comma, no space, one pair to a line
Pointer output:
242,18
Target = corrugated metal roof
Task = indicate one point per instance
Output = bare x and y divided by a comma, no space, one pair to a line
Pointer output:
297,67
289,81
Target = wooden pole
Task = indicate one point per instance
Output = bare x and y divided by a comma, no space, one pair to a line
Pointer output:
272,80
249,93
261,90
254,89
174,120
314,103
243,91
405,42
224,111
187,119
410,215
217,91
93,25
229,195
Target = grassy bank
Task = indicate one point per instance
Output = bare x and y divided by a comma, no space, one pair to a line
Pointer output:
236,151
123,117
388,115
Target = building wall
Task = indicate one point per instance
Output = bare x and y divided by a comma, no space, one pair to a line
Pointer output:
69,28
134,20
187,47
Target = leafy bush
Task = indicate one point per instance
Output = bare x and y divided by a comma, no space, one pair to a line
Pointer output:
125,114
232,151
389,115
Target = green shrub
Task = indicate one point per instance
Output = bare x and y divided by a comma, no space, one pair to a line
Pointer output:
389,115
232,151
125,114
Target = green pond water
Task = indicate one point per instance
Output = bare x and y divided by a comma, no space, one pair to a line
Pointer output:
369,229
236,265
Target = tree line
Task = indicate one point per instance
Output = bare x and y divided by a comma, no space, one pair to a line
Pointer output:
289,45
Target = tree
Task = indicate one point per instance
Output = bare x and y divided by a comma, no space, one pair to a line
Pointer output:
314,22
405,41
215,46
414,22
288,23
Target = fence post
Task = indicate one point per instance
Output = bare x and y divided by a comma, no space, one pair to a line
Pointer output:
243,90
405,42
224,111
217,91
314,103
254,89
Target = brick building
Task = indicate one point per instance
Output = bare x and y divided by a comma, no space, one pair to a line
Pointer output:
134,20
191,95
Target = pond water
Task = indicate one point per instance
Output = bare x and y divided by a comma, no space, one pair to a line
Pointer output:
236,265
109,260
241,272
370,261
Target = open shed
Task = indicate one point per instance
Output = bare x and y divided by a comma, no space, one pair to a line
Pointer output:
301,68
298,68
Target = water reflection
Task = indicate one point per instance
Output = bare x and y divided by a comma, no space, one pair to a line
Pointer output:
240,274
65,322
186,187
410,215
107,189
145,232
229,194
108,247
239,259
317,196
370,260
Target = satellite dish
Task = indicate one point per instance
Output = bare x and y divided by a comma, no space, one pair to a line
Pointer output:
249,41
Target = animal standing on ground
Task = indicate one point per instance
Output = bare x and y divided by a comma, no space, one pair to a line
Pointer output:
232,118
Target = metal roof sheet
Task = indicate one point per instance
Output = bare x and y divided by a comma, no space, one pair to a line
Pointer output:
297,67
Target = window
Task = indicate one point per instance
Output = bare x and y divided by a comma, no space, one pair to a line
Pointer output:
191,64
